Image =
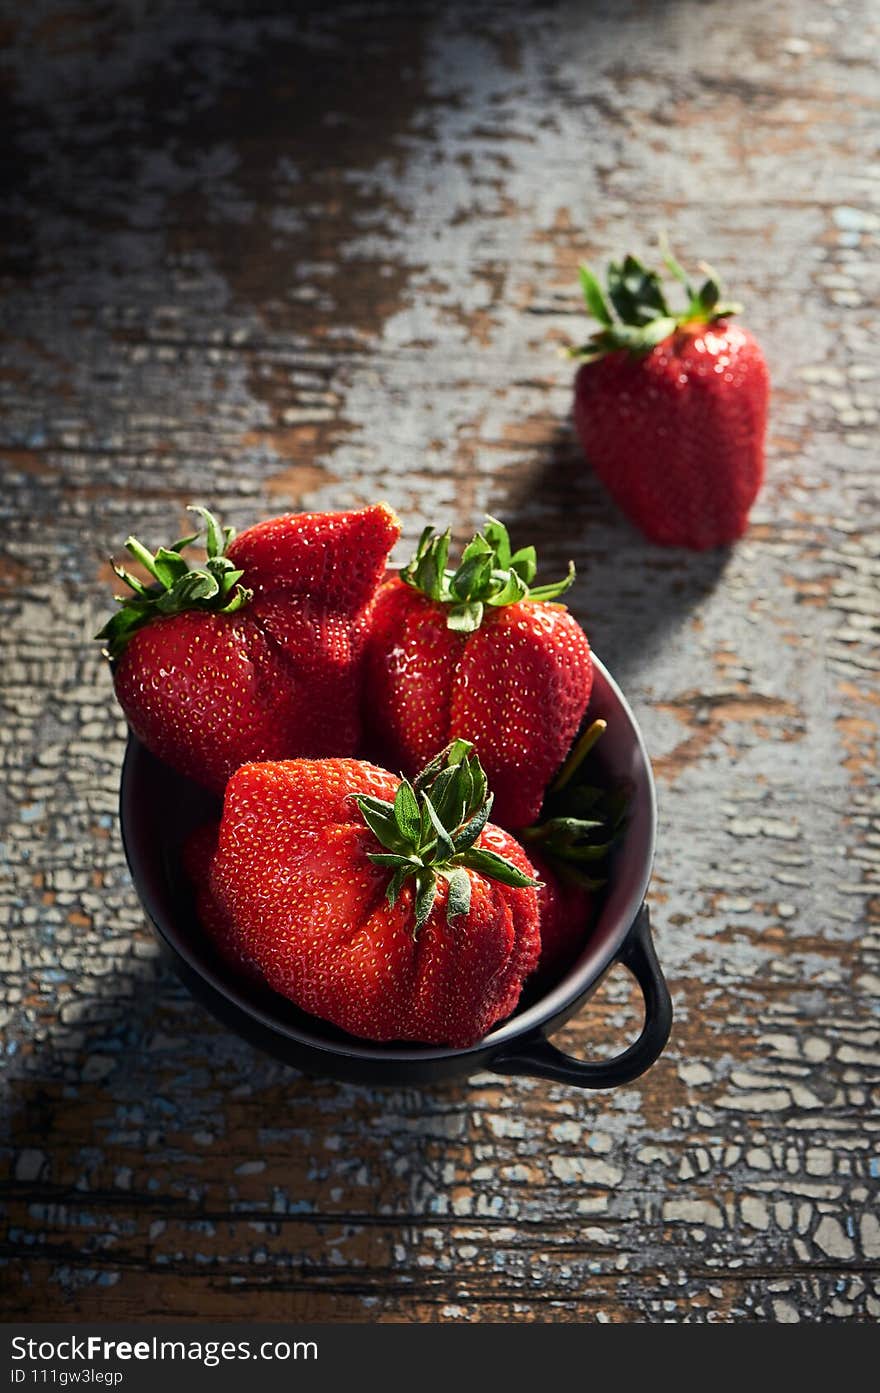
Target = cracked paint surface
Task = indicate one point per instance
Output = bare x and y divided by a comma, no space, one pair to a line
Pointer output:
311,261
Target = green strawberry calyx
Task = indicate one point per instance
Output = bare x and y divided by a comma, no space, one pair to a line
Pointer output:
430,832
581,820
633,311
488,574
177,586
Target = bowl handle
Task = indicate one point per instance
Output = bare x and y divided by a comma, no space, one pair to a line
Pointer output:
535,1056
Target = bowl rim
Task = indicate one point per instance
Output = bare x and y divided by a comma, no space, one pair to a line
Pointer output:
584,974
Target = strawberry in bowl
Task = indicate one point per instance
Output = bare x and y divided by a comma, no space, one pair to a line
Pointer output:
256,652
213,941
394,910
355,922
480,652
671,406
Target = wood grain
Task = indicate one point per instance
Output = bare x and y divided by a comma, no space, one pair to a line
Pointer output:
294,257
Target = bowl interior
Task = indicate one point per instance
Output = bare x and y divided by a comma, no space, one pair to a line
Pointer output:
159,809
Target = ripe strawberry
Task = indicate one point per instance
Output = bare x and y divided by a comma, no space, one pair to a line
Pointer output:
198,857
393,910
566,908
569,850
672,409
255,654
477,652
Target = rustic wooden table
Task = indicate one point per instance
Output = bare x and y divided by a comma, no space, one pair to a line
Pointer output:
275,261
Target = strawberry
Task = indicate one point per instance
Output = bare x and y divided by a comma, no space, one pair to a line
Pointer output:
671,409
256,653
569,849
394,910
566,908
480,653
199,851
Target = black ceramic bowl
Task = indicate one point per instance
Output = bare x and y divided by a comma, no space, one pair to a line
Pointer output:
159,808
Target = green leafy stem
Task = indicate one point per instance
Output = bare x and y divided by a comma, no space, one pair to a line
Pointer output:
581,819
430,832
176,586
489,573
633,311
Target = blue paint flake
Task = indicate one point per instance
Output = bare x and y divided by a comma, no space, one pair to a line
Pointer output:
300,1207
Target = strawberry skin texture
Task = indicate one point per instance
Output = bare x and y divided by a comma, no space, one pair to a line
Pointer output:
677,434
567,910
409,674
199,851
336,556
322,651
208,692
517,687
308,907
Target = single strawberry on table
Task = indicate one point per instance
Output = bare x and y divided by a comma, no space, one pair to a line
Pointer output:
256,652
479,652
394,910
671,407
